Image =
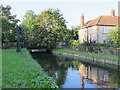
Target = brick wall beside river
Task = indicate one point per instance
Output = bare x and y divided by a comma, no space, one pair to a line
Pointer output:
85,58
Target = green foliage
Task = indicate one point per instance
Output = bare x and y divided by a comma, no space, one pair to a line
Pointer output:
54,22
106,44
28,25
76,45
73,44
113,35
81,47
45,29
72,41
9,23
21,71
73,33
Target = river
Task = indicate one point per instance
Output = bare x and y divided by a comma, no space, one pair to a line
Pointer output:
73,73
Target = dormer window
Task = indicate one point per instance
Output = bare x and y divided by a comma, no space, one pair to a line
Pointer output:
104,30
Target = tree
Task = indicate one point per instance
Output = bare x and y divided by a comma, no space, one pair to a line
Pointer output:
73,33
28,25
45,29
54,23
9,23
113,35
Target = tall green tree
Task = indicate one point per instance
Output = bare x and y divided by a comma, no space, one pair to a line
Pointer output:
45,29
9,23
27,25
53,21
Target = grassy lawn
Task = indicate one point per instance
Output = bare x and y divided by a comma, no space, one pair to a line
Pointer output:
94,55
19,70
0,68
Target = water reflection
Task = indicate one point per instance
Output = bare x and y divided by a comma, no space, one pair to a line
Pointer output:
96,76
72,73
82,74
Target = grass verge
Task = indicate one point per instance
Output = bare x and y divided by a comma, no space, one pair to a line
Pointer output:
86,54
0,68
19,70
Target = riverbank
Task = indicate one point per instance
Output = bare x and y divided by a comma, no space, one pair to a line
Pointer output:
19,70
89,56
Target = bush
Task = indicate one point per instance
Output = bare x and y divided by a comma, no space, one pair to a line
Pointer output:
81,47
73,44
6,45
106,45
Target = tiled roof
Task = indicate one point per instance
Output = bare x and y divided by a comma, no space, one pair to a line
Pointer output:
103,20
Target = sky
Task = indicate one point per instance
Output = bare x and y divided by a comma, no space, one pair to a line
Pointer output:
71,9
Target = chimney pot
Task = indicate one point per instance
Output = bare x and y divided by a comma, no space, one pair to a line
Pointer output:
112,13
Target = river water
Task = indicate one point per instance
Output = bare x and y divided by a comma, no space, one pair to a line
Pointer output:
74,73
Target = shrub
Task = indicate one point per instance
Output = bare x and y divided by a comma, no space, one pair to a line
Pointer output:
81,47
106,45
73,44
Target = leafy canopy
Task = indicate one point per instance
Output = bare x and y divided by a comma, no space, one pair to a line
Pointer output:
45,29
54,22
114,35
9,23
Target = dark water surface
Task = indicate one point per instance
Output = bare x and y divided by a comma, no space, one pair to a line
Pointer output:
74,73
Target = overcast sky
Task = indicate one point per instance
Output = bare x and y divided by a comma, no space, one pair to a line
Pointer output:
71,9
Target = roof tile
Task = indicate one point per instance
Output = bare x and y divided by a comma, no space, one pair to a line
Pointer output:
103,20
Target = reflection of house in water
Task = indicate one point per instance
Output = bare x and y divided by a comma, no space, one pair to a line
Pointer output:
93,75
82,72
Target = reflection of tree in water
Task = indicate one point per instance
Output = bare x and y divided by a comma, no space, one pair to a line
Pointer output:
55,66
52,68
115,78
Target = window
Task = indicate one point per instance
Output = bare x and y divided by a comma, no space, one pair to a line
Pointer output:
104,30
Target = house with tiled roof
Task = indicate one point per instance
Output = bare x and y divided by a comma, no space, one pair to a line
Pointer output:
96,30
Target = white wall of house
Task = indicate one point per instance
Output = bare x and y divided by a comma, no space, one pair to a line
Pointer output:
103,33
91,32
82,34
95,33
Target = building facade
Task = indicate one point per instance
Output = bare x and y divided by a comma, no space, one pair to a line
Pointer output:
97,30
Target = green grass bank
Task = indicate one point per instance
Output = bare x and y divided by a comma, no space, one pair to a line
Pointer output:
93,55
0,68
19,70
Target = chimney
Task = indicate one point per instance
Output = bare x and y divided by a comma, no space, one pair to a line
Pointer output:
82,21
112,13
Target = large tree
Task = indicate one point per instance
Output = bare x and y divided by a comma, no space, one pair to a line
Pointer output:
53,21
45,29
27,25
9,23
